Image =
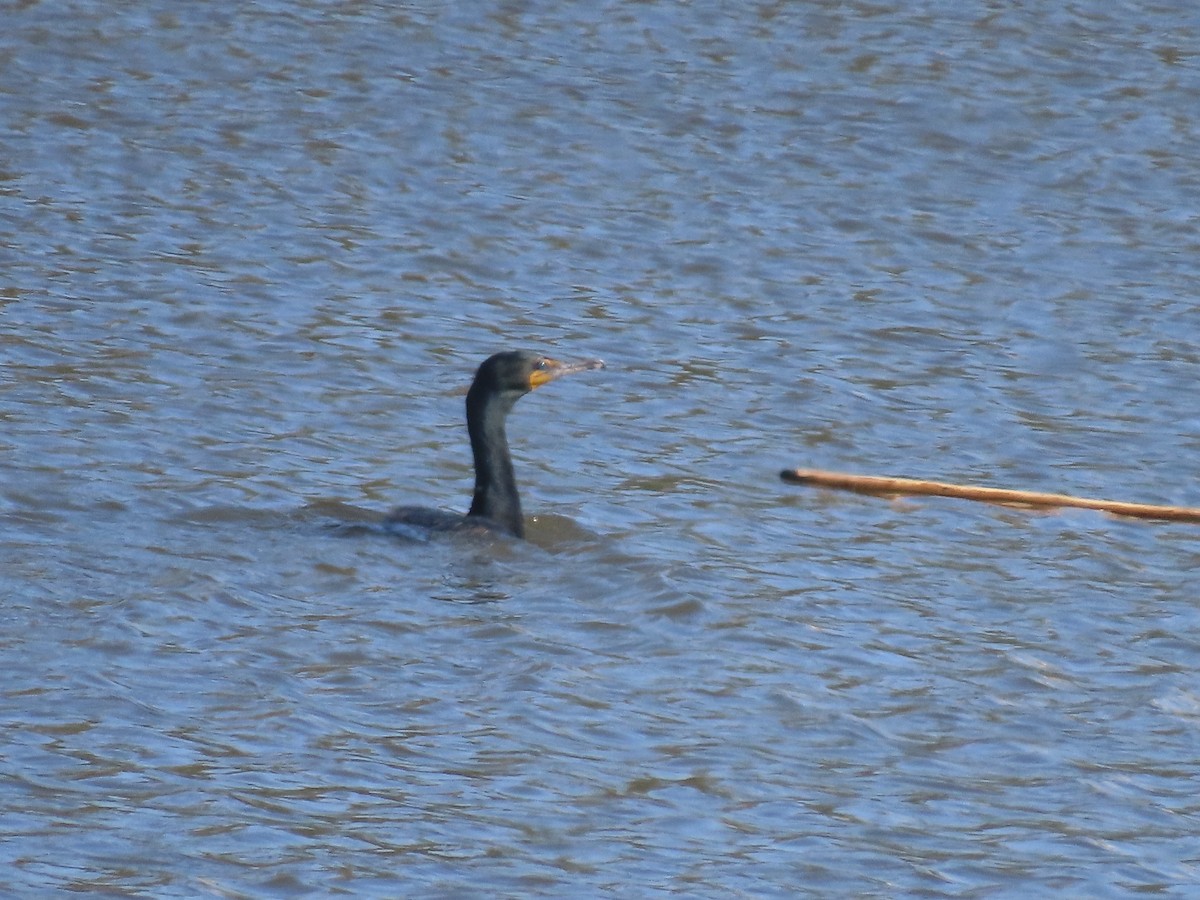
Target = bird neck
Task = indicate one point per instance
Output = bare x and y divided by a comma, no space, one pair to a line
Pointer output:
496,497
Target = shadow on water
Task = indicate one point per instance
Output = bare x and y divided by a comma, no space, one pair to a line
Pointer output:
558,557
549,532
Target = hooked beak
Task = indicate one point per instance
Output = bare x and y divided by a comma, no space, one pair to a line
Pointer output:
551,369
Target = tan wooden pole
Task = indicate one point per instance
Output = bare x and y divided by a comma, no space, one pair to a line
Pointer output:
886,486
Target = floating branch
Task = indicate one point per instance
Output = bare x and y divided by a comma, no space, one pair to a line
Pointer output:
901,487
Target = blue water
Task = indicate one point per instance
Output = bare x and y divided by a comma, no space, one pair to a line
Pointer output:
251,256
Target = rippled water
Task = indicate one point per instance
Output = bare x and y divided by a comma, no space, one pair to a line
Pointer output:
251,255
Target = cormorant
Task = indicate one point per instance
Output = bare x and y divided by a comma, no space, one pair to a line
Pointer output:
500,382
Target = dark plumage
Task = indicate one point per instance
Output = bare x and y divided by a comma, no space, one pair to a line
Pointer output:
499,383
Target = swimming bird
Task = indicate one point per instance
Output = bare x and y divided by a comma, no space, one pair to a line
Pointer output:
500,382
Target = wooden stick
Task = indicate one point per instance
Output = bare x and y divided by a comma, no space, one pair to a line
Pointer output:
880,485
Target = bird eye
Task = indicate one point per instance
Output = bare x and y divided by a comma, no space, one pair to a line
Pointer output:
541,364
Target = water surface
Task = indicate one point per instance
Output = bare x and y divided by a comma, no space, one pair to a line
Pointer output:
251,256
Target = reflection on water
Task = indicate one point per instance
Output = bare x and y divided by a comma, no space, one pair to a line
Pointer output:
252,257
